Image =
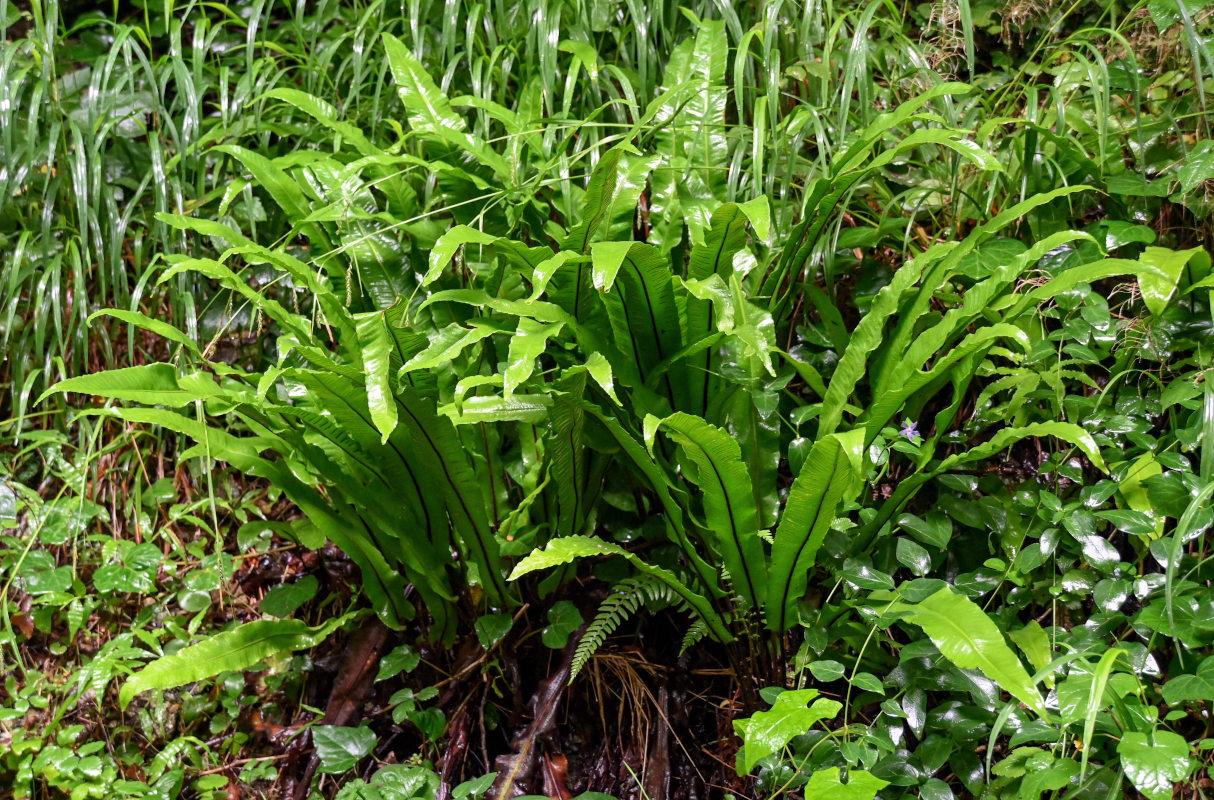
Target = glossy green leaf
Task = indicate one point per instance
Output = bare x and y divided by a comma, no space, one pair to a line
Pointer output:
400,659
430,111
606,258
340,748
153,384
158,327
1034,642
562,551
282,601
233,650
830,474
966,636
563,619
448,245
1095,701
1191,688
596,205
767,732
492,628
860,785
570,548
377,346
526,345
1155,762
1158,283
729,506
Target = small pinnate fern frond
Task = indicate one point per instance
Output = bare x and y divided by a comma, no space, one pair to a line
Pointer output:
625,599
697,631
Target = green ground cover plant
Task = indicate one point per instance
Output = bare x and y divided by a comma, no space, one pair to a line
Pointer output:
457,400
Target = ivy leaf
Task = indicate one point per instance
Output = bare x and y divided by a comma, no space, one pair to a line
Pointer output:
401,659
282,601
860,785
563,619
340,748
1155,763
404,780
491,628
1184,688
768,731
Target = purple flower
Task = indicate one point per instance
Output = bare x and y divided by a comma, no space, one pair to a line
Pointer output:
910,430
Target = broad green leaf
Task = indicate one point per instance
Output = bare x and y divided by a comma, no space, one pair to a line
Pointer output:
324,113
445,460
282,601
767,732
966,636
207,227
233,650
285,190
1191,688
1034,642
563,619
1135,493
585,53
596,205
606,258
340,748
1159,282
543,272
908,378
934,530
526,345
1095,701
491,628
293,324
860,785
376,344
473,789
729,504
429,110
567,549
868,336
449,244
1155,763
1066,431
913,556
727,235
529,408
153,384
645,319
156,326
564,550
830,473
599,368
687,132
402,658
659,484
449,343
